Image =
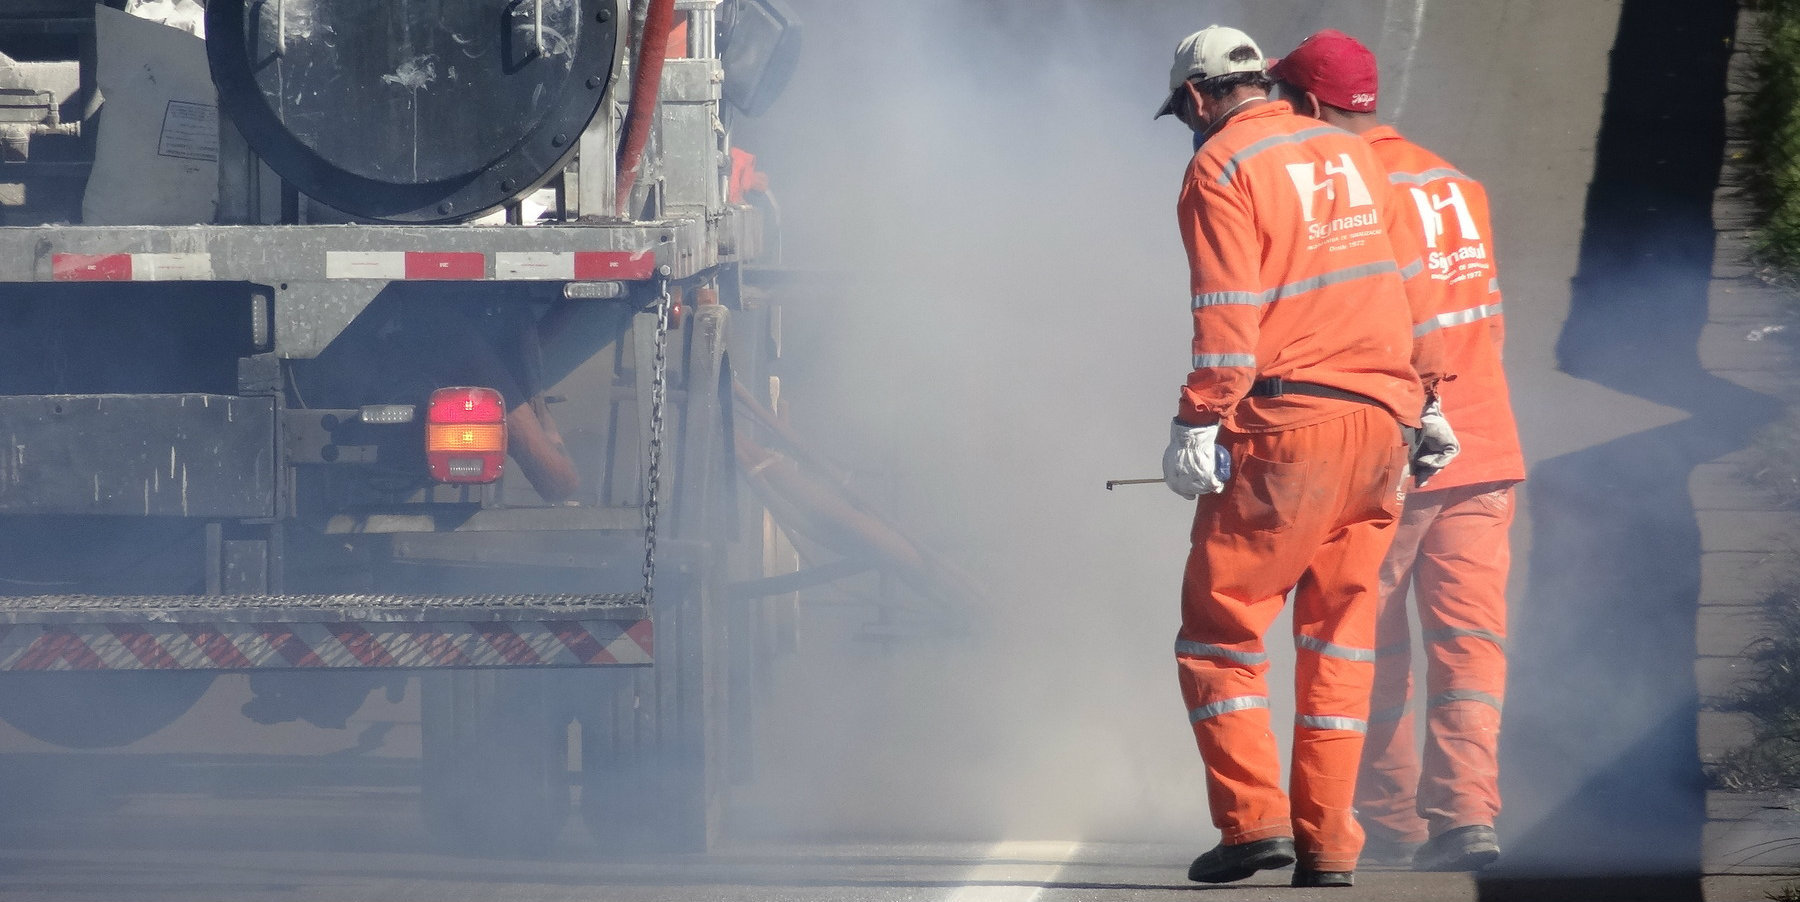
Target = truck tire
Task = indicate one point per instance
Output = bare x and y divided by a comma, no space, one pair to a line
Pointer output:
652,740
97,709
495,761
656,742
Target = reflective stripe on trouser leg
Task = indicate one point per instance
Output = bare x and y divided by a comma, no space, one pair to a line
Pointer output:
1335,607
1460,579
1226,706
1222,680
1331,722
1333,650
1272,528
1387,784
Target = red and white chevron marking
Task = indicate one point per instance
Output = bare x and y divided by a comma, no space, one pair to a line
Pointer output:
281,646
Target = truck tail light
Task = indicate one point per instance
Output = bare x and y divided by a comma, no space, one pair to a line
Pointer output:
465,435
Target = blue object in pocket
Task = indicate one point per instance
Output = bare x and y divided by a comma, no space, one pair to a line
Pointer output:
1221,463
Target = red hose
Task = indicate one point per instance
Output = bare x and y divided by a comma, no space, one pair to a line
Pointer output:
646,81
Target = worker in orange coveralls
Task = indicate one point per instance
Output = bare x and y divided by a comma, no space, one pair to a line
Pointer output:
1305,368
1451,547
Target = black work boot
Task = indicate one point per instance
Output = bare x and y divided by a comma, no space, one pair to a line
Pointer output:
1223,863
1468,848
1310,877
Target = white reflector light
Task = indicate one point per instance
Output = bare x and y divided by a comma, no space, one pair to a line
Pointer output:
593,291
466,467
387,414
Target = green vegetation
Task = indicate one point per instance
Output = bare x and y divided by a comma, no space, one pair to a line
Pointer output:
1772,698
1771,693
1774,132
1772,465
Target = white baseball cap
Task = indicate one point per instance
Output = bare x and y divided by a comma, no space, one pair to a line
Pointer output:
1209,53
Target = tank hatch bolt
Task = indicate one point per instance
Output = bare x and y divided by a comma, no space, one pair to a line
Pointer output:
508,185
445,207
663,270
559,140
595,81
604,15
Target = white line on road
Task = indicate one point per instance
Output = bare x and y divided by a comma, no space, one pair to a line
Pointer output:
1015,872
1400,26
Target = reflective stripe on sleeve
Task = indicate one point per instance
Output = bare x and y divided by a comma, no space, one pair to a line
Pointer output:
1323,722
1238,159
1203,650
1494,285
1421,178
1398,648
1222,361
1349,274
1412,270
1241,703
1459,318
1224,298
1333,650
1464,695
1329,279
1448,634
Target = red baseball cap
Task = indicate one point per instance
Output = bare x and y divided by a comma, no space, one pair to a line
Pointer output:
1335,67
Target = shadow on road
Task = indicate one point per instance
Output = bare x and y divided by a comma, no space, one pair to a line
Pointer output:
1600,762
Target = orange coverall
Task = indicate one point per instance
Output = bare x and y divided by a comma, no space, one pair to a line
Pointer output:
1451,548
1294,275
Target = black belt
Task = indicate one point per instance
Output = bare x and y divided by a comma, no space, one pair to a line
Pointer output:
1275,387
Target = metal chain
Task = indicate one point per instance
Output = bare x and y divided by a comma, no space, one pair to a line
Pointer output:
653,481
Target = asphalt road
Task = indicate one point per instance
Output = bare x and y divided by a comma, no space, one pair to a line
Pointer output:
1097,805
361,846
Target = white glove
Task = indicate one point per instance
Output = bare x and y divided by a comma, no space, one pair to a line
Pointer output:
1190,465
1437,444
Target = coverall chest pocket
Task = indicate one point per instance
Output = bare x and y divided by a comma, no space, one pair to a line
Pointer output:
1269,495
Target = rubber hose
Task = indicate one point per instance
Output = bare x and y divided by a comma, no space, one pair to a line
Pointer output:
646,82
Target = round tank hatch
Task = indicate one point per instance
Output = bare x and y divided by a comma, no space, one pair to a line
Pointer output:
412,110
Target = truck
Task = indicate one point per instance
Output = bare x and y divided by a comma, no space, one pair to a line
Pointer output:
461,370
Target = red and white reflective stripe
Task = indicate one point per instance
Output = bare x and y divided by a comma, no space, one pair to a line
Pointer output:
580,266
131,267
397,266
256,646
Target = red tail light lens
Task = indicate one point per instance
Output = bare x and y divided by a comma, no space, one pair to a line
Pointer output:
465,435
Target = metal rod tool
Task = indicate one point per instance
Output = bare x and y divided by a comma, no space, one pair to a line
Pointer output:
1112,482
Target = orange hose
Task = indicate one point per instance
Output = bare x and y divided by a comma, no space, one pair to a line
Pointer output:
538,447
646,82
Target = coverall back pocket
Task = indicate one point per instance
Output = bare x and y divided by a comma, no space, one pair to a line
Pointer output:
1268,495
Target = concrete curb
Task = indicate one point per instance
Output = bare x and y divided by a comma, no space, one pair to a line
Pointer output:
1748,539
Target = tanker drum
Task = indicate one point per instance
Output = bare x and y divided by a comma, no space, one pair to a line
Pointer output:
413,111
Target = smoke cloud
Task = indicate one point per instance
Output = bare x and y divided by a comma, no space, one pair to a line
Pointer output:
1014,327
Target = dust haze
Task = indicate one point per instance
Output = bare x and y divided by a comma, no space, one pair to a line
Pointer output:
982,186
989,182
989,178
